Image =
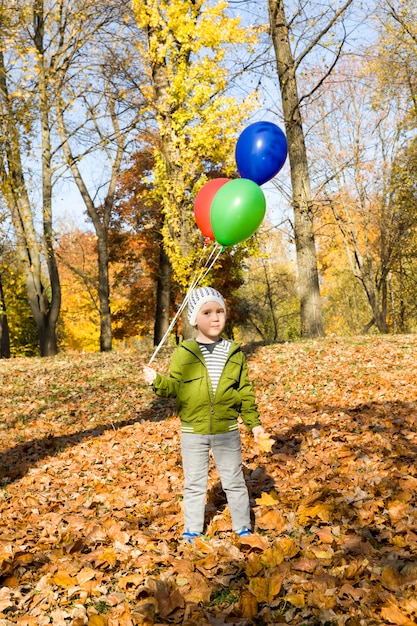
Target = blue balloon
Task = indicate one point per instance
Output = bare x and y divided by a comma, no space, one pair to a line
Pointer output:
261,151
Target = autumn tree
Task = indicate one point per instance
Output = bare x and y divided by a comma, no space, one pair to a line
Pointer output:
394,64
79,327
24,107
137,256
4,326
295,36
18,334
403,272
357,165
394,57
185,57
70,85
268,300
140,266
98,105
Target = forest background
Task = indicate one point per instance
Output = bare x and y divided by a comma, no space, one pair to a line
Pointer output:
114,116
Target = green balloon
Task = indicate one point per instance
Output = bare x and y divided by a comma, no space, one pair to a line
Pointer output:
237,211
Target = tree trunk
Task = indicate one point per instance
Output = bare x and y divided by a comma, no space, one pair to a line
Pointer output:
378,311
4,328
104,290
16,195
47,337
308,279
163,296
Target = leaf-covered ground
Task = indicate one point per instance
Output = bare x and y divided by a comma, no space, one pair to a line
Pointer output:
91,490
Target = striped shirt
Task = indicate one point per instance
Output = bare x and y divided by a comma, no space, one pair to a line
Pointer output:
215,356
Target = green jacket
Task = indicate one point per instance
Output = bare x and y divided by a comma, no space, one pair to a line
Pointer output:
200,410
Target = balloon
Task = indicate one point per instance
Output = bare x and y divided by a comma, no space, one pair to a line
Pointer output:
202,204
237,210
260,152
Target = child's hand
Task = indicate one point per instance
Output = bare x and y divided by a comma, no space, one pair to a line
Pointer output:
257,431
149,374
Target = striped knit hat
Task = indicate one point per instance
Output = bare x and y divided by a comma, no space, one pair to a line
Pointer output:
200,296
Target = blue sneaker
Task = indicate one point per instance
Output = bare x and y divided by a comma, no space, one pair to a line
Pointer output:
190,536
243,532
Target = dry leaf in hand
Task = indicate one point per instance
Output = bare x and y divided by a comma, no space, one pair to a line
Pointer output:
265,442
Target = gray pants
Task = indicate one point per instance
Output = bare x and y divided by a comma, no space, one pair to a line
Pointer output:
227,452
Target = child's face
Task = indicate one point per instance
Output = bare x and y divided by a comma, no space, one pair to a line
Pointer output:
211,320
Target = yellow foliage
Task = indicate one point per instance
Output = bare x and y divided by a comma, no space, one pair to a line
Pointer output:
187,42
80,323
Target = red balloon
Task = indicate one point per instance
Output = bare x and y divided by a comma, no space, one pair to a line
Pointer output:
202,205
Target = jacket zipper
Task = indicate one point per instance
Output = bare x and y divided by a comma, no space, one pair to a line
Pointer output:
211,400
209,389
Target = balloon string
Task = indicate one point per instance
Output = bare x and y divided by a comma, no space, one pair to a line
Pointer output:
203,272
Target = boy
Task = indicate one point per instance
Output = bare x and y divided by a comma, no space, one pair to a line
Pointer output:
209,379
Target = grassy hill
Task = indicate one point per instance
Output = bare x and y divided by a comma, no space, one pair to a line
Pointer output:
91,492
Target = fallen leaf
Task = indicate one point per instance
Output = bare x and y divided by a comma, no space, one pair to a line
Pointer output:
267,499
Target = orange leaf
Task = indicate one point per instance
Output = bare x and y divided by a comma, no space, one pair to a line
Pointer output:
391,613
398,511
272,520
391,579
248,604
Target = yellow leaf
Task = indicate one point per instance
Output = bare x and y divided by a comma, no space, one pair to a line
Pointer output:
322,510
265,442
276,578
97,620
259,587
399,541
253,565
63,579
208,562
321,553
267,499
109,556
273,557
288,546
133,580
296,599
